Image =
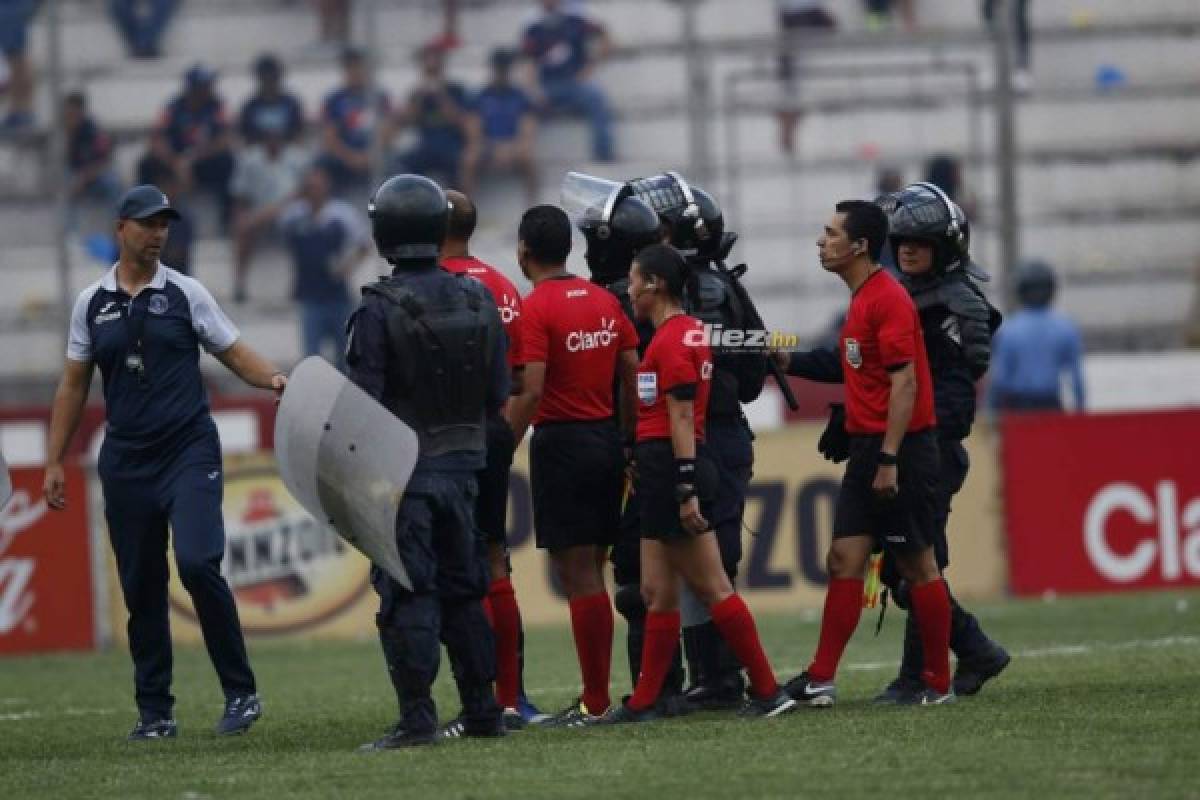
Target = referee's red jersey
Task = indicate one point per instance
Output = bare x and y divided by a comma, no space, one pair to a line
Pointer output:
882,331
677,355
508,300
578,330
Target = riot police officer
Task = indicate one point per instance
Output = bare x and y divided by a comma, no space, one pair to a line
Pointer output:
695,225
429,346
930,238
616,225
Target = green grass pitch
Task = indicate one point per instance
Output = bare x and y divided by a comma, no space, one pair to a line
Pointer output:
1102,700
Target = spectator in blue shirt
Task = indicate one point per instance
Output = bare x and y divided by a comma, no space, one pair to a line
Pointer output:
193,136
439,110
561,41
505,128
327,240
1034,348
90,172
271,110
349,121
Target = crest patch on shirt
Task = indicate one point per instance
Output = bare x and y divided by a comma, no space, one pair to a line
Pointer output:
647,387
157,304
853,353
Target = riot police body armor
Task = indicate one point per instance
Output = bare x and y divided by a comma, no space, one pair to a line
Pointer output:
430,347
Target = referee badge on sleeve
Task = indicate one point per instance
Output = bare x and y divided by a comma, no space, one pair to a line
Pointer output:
853,354
647,386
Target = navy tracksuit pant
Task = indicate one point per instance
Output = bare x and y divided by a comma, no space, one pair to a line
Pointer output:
178,483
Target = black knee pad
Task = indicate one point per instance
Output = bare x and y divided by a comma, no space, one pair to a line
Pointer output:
629,603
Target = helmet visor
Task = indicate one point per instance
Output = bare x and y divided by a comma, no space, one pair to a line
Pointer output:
588,199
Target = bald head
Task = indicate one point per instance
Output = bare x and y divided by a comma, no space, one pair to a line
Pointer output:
462,217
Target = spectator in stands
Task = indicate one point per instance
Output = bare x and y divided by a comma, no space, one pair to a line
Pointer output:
15,16
448,38
945,172
1035,348
504,128
797,18
349,119
333,23
271,110
181,236
265,179
1022,78
194,137
90,172
142,24
327,240
879,14
440,111
566,45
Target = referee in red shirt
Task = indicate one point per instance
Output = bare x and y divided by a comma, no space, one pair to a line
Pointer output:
888,494
575,339
491,506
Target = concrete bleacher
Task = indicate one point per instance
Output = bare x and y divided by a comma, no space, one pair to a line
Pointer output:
1109,181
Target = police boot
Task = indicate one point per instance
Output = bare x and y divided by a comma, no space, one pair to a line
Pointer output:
979,658
629,604
908,682
472,651
418,715
713,688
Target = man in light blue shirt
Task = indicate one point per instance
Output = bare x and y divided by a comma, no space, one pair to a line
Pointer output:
1033,349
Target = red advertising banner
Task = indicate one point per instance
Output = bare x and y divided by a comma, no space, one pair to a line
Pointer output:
1102,502
46,594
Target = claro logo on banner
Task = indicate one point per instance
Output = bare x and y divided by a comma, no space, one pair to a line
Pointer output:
1103,502
45,569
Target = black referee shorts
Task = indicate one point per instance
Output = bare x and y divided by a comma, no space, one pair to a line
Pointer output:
491,507
656,479
906,523
576,476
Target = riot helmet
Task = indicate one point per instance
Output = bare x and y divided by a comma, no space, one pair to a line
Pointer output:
923,212
614,223
1036,284
409,214
691,214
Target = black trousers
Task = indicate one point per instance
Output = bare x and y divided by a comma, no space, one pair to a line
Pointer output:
179,485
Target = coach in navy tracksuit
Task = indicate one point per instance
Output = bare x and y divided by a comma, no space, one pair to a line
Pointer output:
142,324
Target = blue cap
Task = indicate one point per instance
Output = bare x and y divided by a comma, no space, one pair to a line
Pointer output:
142,202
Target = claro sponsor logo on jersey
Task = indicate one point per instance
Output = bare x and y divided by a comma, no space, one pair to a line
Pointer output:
606,336
1167,539
287,571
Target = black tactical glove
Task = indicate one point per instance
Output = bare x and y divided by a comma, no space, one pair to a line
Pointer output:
835,442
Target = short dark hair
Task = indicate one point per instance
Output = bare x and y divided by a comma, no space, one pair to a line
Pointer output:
865,220
664,263
546,231
463,217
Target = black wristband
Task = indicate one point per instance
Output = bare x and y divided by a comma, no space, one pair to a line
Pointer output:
685,470
887,459
684,492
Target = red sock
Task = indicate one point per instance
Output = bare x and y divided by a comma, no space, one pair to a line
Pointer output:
843,607
737,628
592,624
506,622
931,604
658,651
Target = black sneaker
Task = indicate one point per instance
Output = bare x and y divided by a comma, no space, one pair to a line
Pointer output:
397,739
240,713
457,728
153,729
928,696
898,692
765,707
576,715
808,692
972,673
715,698
622,714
